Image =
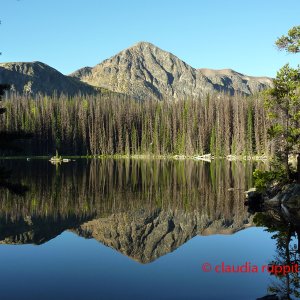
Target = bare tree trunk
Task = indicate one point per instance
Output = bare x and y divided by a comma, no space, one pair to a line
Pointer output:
298,168
287,167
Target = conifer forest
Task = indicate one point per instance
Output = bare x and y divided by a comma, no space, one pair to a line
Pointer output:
113,124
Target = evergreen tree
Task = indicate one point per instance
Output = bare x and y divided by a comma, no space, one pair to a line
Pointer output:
284,109
291,41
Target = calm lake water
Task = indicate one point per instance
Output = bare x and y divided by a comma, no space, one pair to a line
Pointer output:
131,229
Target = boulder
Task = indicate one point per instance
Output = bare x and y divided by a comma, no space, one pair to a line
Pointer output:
289,195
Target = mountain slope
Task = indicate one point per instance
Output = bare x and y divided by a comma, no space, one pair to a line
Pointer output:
145,70
34,77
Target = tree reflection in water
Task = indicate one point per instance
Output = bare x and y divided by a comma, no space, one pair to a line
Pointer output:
286,232
142,208
6,183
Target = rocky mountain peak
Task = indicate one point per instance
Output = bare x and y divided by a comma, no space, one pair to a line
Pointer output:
146,71
142,71
143,45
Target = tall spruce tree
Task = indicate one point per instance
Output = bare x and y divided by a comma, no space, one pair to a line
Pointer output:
283,105
291,43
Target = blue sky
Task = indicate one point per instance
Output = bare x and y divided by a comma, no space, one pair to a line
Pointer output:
68,35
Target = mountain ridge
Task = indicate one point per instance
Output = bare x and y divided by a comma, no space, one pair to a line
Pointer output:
144,70
35,77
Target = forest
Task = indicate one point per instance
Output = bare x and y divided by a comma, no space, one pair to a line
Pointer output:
112,124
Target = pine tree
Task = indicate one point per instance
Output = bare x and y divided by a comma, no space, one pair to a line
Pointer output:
283,104
291,43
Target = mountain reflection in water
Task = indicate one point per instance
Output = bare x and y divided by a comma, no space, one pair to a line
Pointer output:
142,208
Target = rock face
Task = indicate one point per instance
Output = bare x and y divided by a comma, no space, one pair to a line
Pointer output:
287,195
35,77
289,202
145,71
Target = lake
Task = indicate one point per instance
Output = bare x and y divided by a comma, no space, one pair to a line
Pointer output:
133,229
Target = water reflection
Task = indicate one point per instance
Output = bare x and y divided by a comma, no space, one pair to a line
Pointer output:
5,183
284,223
142,208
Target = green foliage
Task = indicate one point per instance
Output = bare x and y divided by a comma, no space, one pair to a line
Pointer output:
101,125
291,41
275,130
265,179
286,87
250,122
212,143
283,106
85,104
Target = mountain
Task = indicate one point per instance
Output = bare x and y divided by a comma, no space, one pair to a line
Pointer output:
145,70
142,71
35,77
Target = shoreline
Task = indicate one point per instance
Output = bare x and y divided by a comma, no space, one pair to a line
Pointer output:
205,158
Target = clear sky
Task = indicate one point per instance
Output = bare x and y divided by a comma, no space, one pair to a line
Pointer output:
217,34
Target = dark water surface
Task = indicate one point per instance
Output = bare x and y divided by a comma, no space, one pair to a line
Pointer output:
131,229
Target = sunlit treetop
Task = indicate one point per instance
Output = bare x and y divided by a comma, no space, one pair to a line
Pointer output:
291,41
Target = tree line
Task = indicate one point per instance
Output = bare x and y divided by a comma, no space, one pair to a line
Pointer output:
114,124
